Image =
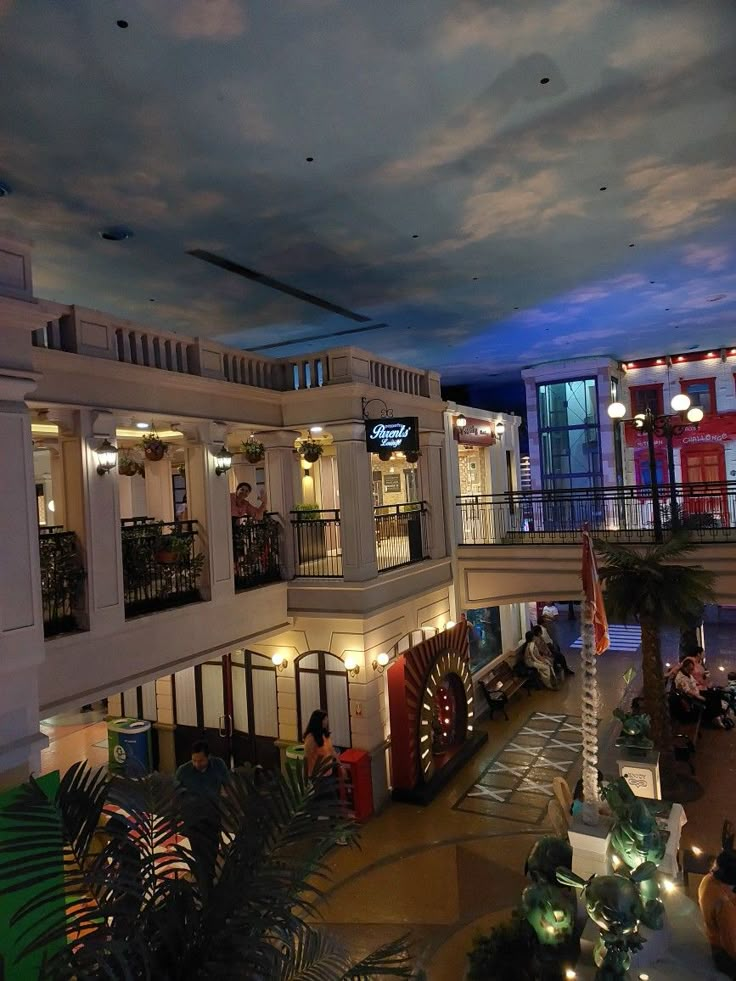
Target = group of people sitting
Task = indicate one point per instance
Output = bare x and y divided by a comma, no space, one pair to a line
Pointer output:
541,655
694,693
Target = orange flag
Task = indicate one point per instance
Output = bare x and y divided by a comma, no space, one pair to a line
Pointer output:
594,596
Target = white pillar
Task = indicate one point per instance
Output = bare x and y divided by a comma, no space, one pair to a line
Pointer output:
282,475
432,479
21,617
133,501
159,490
208,500
357,522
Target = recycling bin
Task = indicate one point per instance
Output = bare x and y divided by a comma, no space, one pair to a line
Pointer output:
294,758
129,746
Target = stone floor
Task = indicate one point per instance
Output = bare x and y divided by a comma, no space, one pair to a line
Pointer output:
443,873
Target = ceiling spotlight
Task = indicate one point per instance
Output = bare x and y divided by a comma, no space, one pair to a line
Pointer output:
695,414
711,354
660,361
5,189
116,233
544,81
122,24
143,425
681,358
680,402
309,160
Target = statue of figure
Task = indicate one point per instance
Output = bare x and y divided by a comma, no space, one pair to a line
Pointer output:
635,835
550,911
635,728
616,906
548,854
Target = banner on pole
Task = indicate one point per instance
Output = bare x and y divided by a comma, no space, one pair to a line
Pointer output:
594,596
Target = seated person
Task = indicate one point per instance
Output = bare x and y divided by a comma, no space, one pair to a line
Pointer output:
576,807
709,699
533,658
548,649
717,901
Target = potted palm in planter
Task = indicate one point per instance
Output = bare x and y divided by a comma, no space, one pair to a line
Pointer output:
311,450
154,447
253,450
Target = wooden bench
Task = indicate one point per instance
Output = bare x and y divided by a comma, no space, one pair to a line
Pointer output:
501,683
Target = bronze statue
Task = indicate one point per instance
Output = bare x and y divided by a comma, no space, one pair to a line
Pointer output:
634,734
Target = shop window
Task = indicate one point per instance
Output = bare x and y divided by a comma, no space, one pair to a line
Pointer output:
645,397
644,470
484,636
702,392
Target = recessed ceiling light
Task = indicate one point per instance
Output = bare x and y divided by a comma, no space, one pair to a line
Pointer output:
143,425
474,278
543,81
415,236
516,308
711,354
122,23
732,351
5,189
151,299
651,282
309,160
666,309
116,233
632,245
659,361
315,429
681,358
604,188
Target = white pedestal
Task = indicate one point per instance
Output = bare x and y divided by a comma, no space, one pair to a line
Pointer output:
641,773
590,847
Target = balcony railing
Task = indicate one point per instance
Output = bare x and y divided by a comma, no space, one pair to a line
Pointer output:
161,568
256,551
706,511
317,543
62,575
401,534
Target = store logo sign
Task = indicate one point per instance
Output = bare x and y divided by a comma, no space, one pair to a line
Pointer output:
392,434
476,432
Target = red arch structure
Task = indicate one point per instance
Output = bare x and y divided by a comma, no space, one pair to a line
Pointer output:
418,773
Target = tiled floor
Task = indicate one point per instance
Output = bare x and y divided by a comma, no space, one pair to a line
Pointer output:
446,871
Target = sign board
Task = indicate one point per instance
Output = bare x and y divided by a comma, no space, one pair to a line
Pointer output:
714,428
392,483
476,432
392,434
642,774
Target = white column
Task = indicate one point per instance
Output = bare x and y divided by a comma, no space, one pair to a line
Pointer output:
357,522
159,490
208,499
133,501
432,480
21,617
282,475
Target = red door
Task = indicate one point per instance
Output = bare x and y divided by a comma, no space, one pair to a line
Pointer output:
705,464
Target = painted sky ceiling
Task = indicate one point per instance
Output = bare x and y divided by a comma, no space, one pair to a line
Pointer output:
452,193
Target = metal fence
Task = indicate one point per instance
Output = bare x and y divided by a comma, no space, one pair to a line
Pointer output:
161,568
317,543
706,511
401,534
256,551
62,575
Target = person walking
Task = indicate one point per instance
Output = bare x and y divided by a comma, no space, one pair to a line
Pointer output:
201,782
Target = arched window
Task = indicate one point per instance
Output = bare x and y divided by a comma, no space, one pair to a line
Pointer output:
322,683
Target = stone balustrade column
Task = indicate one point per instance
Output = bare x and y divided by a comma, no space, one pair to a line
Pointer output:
433,483
357,521
282,476
208,503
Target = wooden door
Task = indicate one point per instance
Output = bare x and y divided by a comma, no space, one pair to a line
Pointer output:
705,464
254,709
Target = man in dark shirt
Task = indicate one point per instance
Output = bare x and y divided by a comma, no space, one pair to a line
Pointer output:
204,775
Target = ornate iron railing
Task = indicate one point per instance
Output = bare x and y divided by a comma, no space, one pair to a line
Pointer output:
161,567
706,511
256,551
317,543
401,534
62,575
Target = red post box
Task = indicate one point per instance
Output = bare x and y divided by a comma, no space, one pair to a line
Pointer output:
357,785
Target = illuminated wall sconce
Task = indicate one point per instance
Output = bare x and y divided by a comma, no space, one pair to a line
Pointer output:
280,661
306,464
449,625
461,422
351,666
380,662
107,457
224,461
500,428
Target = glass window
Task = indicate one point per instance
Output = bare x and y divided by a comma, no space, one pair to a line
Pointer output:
701,393
569,436
645,397
484,636
645,471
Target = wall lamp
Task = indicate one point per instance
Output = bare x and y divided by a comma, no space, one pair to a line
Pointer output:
351,666
281,661
107,457
224,460
449,625
500,427
380,662
461,421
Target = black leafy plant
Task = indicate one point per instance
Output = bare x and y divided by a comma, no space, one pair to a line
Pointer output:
62,576
156,886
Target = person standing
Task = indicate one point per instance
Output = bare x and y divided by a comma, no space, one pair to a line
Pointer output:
201,782
204,775
717,901
549,618
321,759
241,505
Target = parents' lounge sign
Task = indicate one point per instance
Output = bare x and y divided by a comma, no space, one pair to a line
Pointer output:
392,434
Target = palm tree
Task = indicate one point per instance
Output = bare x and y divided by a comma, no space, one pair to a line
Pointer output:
126,882
652,589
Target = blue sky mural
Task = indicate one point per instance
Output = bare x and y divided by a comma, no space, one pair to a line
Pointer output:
500,183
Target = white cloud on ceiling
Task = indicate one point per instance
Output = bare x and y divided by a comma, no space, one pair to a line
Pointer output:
674,42
211,20
713,258
672,196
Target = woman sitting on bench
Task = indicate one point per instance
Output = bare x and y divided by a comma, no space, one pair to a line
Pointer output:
710,699
541,664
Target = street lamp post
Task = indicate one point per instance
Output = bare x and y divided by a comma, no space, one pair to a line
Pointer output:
667,426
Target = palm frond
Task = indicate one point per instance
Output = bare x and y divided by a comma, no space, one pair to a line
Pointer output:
389,961
676,547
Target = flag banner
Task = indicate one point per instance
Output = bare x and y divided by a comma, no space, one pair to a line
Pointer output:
594,596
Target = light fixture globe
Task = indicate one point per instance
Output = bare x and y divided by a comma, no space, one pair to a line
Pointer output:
695,414
383,659
500,427
616,410
639,420
107,457
680,402
461,422
224,460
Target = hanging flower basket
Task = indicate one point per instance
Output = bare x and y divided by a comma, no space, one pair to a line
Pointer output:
154,448
412,456
128,466
310,450
385,455
253,450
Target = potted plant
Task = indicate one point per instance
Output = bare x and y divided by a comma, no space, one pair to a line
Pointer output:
310,532
412,456
154,447
253,450
128,465
311,450
172,548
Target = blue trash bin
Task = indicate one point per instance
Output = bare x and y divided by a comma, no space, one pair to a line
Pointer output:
129,746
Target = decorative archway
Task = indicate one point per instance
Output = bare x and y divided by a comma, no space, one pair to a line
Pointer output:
322,683
431,707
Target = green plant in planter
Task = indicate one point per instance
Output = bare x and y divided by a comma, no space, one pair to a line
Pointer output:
253,450
154,447
508,952
173,548
129,465
311,450
307,512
